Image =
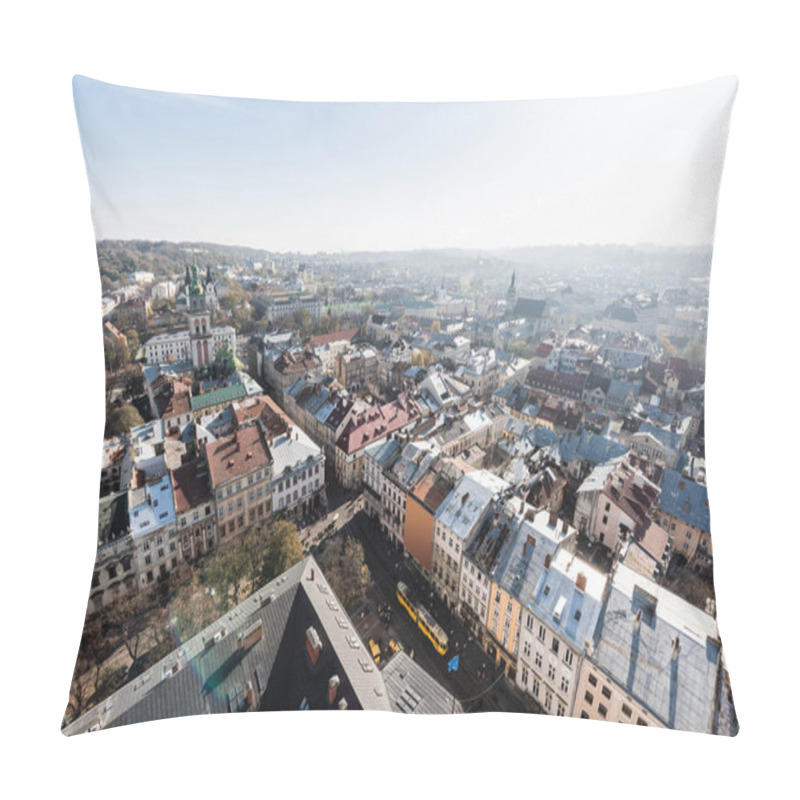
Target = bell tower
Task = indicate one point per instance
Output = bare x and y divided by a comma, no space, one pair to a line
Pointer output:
200,339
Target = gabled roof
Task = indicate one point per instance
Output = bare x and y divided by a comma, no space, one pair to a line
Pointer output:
529,308
212,672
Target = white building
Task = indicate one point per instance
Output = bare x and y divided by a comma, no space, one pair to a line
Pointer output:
455,522
173,348
559,621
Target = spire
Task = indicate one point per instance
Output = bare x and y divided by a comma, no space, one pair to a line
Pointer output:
513,279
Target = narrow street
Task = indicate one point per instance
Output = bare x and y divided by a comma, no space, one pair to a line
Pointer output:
477,684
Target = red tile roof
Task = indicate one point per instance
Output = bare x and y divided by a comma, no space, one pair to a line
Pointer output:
238,454
334,336
375,423
190,486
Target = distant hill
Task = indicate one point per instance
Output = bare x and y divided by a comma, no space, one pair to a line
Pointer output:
118,258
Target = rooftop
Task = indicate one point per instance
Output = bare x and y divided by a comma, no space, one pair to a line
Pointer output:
242,452
676,683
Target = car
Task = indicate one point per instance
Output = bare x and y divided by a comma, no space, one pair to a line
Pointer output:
395,646
375,650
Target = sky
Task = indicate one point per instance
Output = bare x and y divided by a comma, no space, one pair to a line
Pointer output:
292,176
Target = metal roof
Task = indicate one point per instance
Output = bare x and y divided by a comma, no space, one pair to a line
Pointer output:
679,691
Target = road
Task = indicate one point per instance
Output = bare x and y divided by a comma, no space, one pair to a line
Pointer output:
476,683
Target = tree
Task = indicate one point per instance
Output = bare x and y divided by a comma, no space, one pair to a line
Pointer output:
191,610
130,617
347,572
121,420
224,573
116,354
695,354
283,550
133,342
669,349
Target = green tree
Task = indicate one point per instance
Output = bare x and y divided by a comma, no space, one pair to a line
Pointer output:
130,617
347,572
121,420
116,352
225,573
282,550
191,610
695,354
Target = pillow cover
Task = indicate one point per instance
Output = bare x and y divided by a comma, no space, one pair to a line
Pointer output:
401,413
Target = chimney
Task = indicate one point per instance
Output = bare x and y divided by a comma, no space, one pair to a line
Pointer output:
580,582
342,705
251,695
553,519
333,688
676,648
547,561
637,622
565,526
464,498
313,646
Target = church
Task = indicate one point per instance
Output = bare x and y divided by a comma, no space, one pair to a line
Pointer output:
200,343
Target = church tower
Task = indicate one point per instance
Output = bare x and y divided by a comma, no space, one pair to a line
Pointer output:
200,341
511,295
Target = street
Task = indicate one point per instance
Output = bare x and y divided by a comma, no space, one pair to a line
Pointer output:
477,684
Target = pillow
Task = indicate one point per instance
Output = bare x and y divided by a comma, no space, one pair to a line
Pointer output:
404,407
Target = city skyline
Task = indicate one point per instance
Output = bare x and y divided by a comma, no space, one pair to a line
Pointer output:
404,176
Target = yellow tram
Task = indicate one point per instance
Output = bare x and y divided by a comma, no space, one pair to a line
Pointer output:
427,624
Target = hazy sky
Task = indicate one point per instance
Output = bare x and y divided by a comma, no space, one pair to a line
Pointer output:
349,176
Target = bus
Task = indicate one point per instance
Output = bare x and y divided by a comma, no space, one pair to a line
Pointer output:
425,621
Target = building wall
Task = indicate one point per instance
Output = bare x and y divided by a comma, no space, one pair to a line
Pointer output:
197,529
550,677
446,566
243,501
114,575
598,697
418,533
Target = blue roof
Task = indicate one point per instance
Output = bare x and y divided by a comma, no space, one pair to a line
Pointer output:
680,691
619,388
685,500
667,438
590,447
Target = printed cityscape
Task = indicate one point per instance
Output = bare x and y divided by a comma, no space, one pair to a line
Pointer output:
433,481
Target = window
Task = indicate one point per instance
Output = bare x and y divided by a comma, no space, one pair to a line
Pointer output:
592,680
568,656
588,697
606,693
538,659
602,710
526,649
524,676
529,622
554,645
541,633
584,715
161,552
147,560
551,672
626,710
535,688
560,710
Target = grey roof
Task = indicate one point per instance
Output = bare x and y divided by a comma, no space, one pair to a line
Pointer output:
680,692
685,500
198,677
527,307
520,566
617,388
412,690
572,613
590,447
669,439
469,500
112,520
291,450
